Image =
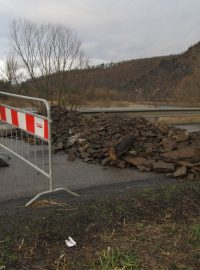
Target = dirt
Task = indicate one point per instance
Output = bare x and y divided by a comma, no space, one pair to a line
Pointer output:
160,228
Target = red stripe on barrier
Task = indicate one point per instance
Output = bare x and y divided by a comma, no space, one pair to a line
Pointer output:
30,126
46,130
2,113
14,117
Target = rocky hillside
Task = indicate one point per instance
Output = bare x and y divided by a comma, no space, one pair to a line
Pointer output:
169,78
175,78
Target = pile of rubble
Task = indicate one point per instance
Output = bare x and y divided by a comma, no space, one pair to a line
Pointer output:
123,141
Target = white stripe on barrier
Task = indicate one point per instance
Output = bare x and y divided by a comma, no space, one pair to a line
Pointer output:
8,116
22,120
39,127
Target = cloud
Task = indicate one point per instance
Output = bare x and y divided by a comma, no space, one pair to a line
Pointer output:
114,30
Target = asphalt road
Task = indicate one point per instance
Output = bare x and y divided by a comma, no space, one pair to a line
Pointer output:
19,180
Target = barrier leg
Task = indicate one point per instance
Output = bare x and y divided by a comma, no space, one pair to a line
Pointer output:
49,192
4,154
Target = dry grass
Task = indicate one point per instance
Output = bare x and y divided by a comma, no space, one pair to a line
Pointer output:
110,104
158,230
179,119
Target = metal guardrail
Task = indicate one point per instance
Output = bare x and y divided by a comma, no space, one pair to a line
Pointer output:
147,111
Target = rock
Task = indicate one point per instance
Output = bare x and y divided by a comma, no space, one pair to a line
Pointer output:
196,164
94,138
185,163
162,166
73,150
188,152
82,141
56,148
162,128
106,161
71,156
101,128
137,161
91,151
143,169
150,148
99,155
140,161
190,177
84,155
121,164
87,160
72,140
3,163
181,145
123,146
197,153
60,146
95,146
149,134
168,144
195,170
132,153
182,136
181,171
83,148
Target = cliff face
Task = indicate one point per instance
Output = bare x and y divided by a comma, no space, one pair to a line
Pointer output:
175,78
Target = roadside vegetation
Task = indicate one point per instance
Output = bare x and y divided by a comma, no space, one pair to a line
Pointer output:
152,229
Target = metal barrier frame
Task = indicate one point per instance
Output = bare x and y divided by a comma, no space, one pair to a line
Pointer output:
50,173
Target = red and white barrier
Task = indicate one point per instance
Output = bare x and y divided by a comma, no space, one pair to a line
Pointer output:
38,155
32,124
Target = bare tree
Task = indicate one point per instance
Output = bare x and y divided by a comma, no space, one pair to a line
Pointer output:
46,52
10,72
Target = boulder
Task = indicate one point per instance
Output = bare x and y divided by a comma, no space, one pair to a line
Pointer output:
139,161
181,171
188,152
185,163
182,136
132,153
162,166
143,169
71,156
168,144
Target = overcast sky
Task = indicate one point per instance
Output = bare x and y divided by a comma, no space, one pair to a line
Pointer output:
113,30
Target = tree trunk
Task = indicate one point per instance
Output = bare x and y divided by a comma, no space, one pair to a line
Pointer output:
122,147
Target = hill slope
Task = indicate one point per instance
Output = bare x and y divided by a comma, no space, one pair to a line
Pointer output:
174,78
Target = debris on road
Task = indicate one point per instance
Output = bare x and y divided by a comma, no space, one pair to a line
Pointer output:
124,141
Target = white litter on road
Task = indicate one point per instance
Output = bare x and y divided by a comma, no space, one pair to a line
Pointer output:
70,242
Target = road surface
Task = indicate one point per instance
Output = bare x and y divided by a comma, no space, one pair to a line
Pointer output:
20,180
